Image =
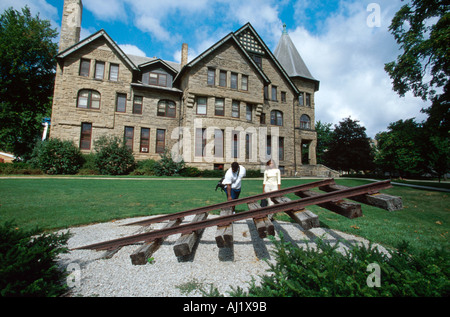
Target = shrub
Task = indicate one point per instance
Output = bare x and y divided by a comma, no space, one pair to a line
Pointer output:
54,156
190,171
145,167
112,156
28,262
326,272
167,166
88,167
18,168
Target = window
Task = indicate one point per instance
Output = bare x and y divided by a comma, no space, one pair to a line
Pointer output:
219,107
114,72
158,79
145,140
160,140
266,93
258,60
211,76
248,146
200,141
281,148
269,145
308,100
234,81
248,112
166,108
201,105
99,70
218,143
86,135
283,96
244,82
137,104
235,148
85,65
235,109
305,122
301,102
88,99
129,136
274,93
276,118
223,78
121,102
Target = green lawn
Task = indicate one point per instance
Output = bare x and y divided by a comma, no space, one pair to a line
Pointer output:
53,203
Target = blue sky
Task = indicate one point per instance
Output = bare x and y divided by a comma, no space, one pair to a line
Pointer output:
341,48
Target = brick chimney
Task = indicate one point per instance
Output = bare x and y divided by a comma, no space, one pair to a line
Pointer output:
71,24
184,54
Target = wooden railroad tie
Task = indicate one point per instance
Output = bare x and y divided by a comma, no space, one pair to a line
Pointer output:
186,241
304,217
263,225
224,233
383,201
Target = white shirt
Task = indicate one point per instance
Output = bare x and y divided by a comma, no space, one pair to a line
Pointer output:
272,176
233,178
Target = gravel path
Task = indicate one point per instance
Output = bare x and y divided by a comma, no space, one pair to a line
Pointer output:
169,275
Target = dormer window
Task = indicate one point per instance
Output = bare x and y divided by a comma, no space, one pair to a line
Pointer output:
157,79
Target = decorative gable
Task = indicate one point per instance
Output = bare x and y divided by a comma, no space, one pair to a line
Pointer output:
250,43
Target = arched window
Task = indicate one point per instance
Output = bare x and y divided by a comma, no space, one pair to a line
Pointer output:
276,117
166,108
88,99
305,122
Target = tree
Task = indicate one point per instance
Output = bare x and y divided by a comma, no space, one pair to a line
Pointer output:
324,135
422,29
349,148
400,149
27,71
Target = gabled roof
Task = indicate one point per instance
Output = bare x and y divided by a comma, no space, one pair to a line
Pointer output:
229,37
158,61
93,37
250,28
287,54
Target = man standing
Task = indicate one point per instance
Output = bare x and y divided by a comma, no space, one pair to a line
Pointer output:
232,180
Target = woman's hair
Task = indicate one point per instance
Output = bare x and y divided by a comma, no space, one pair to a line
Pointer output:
269,161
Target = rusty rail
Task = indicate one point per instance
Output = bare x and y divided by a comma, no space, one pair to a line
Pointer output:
232,203
257,213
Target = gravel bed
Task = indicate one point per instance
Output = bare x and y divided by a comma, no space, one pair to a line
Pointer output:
171,276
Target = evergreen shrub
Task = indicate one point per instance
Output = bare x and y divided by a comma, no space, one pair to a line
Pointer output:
28,262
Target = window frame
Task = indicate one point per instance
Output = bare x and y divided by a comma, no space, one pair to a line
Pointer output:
275,116
234,113
111,65
158,148
129,140
96,72
201,104
144,141
167,109
223,78
137,107
82,70
211,80
84,137
244,78
223,107
89,100
124,96
306,125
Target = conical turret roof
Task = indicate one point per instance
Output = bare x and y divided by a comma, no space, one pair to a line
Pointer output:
288,56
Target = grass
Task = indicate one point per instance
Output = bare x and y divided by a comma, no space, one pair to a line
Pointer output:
53,203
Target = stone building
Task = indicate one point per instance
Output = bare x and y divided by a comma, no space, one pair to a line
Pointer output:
237,101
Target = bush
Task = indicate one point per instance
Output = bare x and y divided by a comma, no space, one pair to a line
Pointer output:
112,156
145,167
28,262
54,156
18,168
167,166
190,171
326,272
88,167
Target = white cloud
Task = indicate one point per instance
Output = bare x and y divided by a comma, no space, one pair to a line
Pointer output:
348,58
106,10
132,49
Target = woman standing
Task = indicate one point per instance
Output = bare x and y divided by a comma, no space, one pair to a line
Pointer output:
272,179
